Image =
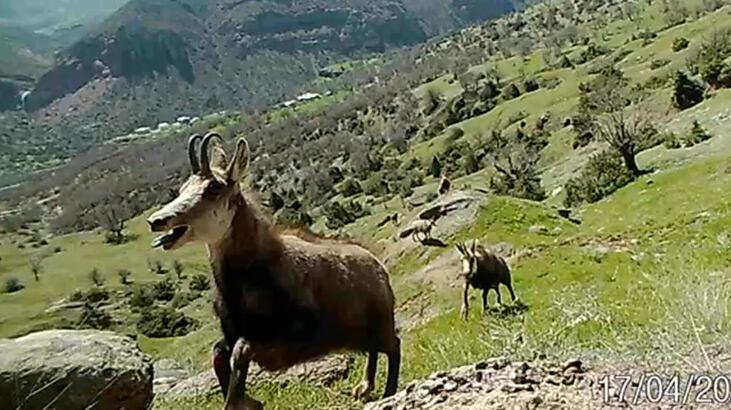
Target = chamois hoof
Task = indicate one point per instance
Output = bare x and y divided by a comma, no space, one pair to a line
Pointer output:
362,391
247,404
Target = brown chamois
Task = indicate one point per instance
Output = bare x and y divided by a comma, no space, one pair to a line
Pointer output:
484,270
281,300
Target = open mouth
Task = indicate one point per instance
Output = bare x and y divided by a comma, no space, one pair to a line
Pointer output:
169,238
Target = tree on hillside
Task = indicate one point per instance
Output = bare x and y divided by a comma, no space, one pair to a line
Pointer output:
516,162
604,105
435,169
686,92
35,267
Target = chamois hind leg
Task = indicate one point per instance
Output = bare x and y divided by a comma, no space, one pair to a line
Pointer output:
236,398
510,288
369,378
222,364
499,299
485,294
393,352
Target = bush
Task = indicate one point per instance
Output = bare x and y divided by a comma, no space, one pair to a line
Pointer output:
672,141
94,295
178,268
164,322
156,267
350,187
183,299
164,290
604,174
341,214
93,317
13,285
696,135
510,92
680,43
199,283
686,92
141,297
530,85
124,275
96,278
658,63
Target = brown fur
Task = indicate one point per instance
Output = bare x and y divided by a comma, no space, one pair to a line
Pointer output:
486,271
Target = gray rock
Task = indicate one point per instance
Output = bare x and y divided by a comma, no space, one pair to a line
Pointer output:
69,369
538,229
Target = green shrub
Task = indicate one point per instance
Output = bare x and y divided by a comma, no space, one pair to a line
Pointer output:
510,92
199,283
350,187
530,84
680,43
13,285
141,297
164,322
658,63
183,299
164,290
96,278
696,135
672,141
93,317
604,174
686,92
93,295
124,275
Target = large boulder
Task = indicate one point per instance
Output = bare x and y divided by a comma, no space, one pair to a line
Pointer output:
69,369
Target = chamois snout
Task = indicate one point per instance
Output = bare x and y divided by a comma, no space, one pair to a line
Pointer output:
159,223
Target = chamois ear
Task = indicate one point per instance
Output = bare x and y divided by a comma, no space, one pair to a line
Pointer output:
239,161
218,157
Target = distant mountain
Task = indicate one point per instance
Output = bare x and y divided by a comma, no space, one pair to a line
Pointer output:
155,59
65,21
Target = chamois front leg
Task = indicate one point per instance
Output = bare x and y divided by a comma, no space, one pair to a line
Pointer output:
465,303
236,398
222,364
485,293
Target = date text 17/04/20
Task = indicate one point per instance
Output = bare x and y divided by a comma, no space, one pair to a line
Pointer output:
654,388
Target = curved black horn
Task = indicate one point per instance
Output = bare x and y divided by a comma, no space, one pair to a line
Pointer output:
205,160
192,154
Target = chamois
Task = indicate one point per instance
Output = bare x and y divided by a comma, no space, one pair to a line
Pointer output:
420,230
445,184
484,270
281,300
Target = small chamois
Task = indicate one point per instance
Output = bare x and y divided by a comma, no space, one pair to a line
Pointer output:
419,230
484,270
281,299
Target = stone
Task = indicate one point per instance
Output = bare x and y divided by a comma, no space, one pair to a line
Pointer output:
75,369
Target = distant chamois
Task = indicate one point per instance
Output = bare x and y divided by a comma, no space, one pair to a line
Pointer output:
281,299
419,230
484,270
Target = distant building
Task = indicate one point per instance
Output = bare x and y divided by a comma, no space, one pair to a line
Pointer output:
143,130
163,126
184,120
308,97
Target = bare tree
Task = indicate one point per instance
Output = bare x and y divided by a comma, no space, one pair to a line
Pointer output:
627,133
36,267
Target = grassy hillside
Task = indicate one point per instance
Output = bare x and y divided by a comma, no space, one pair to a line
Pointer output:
643,280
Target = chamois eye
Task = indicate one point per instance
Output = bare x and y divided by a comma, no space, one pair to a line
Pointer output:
214,189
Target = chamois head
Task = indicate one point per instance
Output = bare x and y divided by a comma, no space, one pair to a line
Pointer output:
469,258
207,201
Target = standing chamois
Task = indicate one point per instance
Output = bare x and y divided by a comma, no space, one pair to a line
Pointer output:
281,300
484,270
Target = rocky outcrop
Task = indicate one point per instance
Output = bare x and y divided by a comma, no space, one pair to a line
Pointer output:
499,384
68,369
